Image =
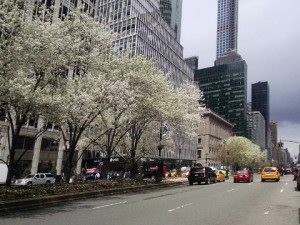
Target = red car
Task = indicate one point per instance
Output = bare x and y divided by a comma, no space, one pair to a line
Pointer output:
243,175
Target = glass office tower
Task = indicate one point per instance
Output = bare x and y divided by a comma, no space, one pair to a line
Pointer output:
260,99
225,92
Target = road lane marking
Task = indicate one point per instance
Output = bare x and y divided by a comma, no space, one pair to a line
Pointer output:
179,207
281,190
266,213
286,184
112,204
250,183
230,190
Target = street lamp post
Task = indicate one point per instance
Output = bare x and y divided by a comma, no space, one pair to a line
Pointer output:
159,148
206,158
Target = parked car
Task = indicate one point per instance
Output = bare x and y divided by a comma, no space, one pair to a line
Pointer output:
92,176
287,171
270,173
295,173
38,178
201,174
243,175
150,174
220,176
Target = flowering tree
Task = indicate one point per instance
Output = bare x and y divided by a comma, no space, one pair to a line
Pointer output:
85,92
29,62
240,151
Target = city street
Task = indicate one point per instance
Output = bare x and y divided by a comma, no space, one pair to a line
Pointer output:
226,203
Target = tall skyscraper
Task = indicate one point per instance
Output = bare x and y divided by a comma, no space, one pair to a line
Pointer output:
227,30
225,85
172,11
260,99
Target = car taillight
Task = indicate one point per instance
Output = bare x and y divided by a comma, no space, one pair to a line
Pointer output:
203,171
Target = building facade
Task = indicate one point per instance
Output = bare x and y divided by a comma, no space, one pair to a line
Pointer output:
274,141
260,99
227,30
212,134
192,62
142,29
225,92
257,125
171,11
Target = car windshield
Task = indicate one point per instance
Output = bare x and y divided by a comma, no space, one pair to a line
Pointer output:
241,172
269,170
197,170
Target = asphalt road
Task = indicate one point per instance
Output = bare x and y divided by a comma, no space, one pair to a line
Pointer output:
257,203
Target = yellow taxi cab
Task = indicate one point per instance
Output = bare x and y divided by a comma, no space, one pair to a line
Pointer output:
270,173
220,176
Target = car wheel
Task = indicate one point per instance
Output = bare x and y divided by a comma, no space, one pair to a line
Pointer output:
298,186
262,180
29,183
190,182
48,182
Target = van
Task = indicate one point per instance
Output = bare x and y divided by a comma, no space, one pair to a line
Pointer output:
201,174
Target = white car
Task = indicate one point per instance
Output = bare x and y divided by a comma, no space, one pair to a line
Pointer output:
38,178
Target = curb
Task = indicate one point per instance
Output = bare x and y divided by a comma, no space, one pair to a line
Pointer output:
45,201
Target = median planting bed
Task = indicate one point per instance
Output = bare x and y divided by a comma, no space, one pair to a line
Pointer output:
22,192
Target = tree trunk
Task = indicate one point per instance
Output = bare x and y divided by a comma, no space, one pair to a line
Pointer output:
11,165
69,163
59,160
79,162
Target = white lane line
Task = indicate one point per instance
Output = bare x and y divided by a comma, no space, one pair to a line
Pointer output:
250,183
103,206
179,207
230,190
281,190
266,213
286,184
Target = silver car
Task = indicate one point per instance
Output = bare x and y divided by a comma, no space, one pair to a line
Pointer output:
38,178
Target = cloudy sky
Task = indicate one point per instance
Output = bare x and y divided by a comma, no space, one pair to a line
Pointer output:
269,41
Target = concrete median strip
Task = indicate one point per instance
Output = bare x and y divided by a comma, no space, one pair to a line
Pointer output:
44,201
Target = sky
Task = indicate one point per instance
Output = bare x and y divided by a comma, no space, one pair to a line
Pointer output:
269,42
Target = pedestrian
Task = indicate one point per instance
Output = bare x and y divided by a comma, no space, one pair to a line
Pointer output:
227,174
97,176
